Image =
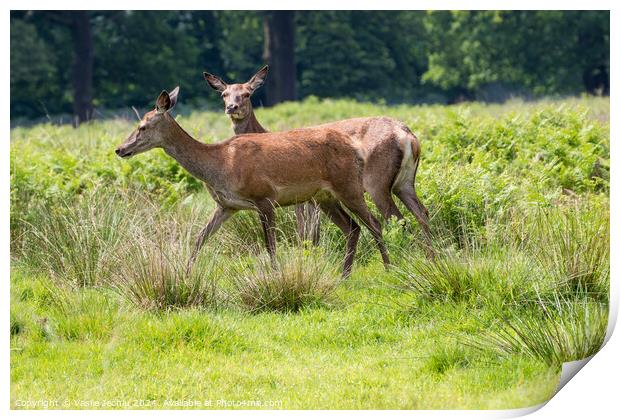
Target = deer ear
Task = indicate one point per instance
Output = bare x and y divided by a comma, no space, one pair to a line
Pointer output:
173,97
215,82
258,79
163,102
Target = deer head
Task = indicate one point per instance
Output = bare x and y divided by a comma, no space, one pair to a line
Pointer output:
152,128
236,96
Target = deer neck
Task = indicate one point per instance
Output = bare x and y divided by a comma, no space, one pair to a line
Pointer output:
246,125
199,159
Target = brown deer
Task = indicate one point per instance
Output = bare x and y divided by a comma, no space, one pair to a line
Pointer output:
238,106
261,171
390,150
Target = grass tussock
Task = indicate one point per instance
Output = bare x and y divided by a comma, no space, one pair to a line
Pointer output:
83,314
185,329
472,276
554,332
571,246
153,271
17,325
301,277
244,230
76,241
445,278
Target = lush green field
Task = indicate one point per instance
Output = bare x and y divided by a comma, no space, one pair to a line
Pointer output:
102,311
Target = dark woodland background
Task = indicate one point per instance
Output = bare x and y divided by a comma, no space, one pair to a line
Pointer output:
82,63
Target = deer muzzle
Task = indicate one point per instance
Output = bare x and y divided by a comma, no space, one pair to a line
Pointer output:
123,153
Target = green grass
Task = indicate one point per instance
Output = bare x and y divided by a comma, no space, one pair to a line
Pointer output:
356,354
102,309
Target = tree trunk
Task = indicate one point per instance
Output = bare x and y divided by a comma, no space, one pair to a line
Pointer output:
83,57
279,53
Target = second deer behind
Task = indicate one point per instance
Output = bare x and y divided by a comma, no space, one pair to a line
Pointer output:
391,152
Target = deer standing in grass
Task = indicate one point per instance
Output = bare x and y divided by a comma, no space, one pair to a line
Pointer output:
238,106
391,152
261,171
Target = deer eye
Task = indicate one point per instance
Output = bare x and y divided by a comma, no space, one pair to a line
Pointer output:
141,128
225,94
246,95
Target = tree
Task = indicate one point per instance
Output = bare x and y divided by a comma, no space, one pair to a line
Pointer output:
279,54
361,55
31,79
79,28
139,53
406,56
535,52
593,45
83,57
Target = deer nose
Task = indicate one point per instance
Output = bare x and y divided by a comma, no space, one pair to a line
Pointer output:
232,107
118,151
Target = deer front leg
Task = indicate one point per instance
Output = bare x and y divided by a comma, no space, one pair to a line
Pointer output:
219,216
266,213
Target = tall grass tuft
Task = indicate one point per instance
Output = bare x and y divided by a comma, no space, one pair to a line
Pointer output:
443,278
554,332
475,274
571,246
301,277
75,241
153,272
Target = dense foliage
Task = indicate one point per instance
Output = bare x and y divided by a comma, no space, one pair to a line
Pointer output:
408,57
475,164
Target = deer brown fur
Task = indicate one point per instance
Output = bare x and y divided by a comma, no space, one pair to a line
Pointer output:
261,171
391,152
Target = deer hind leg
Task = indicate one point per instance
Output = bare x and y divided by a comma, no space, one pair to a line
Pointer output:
300,218
404,188
219,216
349,228
314,217
266,213
358,207
382,197
408,196
381,170
308,222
